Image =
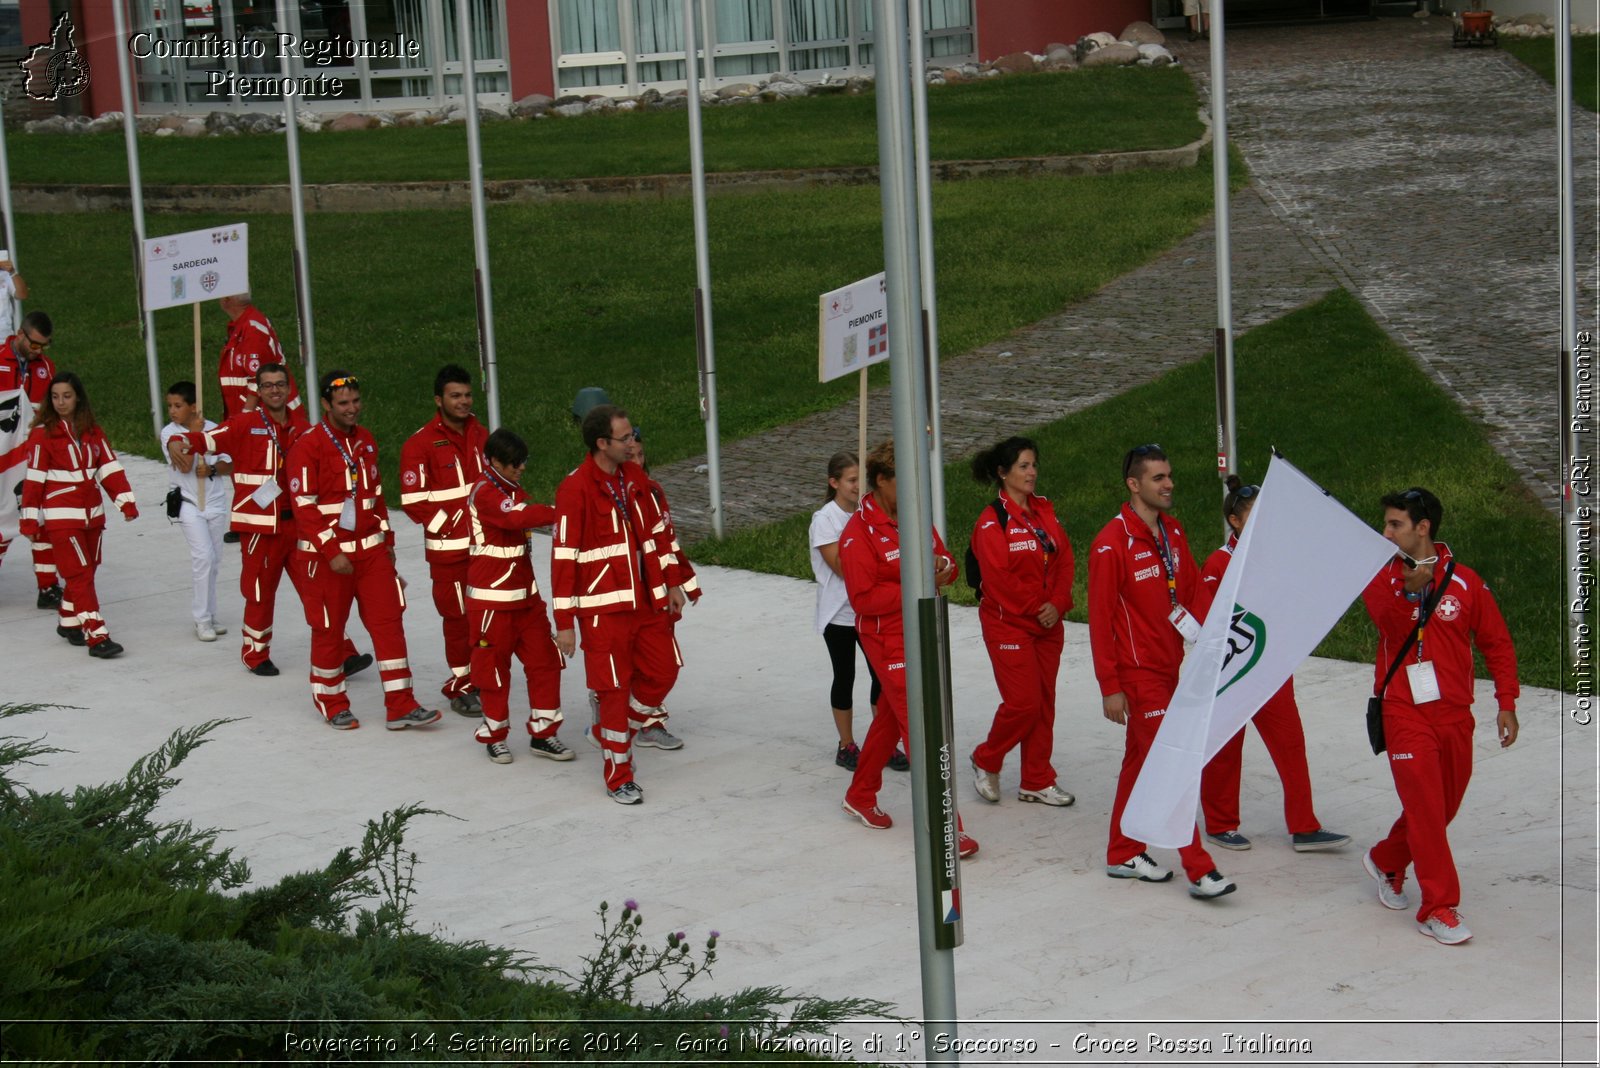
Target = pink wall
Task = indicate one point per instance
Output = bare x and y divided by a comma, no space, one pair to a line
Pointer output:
528,49
1006,26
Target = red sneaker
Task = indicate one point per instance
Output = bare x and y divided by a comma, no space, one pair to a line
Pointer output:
873,817
966,846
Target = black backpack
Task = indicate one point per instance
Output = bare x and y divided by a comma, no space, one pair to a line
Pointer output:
974,574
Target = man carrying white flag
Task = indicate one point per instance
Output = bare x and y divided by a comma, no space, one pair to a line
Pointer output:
1281,609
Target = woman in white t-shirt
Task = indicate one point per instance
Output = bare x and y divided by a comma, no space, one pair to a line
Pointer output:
202,528
836,621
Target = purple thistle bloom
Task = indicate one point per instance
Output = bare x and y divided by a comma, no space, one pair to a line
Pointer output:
716,934
631,905
724,1030
681,936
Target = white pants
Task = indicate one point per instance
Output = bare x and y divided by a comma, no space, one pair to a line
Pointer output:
203,531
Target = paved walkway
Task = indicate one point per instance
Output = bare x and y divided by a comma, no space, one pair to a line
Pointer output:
1420,177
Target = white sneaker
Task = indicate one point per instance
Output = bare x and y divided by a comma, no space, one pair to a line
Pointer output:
1391,895
1444,924
657,738
1050,795
218,628
499,752
1140,867
627,794
204,631
987,783
1212,884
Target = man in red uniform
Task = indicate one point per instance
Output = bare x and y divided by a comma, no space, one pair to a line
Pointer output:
251,343
608,579
439,466
1141,578
25,374
346,551
1427,708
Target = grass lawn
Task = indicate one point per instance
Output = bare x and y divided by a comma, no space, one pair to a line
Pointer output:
1342,402
1061,113
1540,54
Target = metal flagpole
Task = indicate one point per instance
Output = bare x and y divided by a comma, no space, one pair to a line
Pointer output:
923,610
704,337
10,236
302,274
136,195
1574,348
480,228
1227,427
930,315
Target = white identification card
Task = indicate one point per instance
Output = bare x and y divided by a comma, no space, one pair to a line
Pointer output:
1424,683
266,493
1185,623
347,515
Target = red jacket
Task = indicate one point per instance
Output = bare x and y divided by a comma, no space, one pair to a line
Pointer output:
499,516
1129,602
251,343
602,560
1466,615
260,448
664,536
23,387
1018,575
869,556
65,475
1211,579
438,470
321,482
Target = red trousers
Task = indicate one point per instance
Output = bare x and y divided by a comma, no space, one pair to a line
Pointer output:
263,558
374,589
611,669
44,561
1278,723
77,554
449,597
523,632
656,663
1430,757
890,727
1025,670
1147,703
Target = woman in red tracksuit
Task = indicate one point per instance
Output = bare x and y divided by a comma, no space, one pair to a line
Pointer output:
1026,563
69,461
1278,723
869,553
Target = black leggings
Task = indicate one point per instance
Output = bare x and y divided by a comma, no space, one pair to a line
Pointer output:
842,642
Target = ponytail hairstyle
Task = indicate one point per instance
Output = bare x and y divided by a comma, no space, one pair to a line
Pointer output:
880,465
838,464
1239,499
988,466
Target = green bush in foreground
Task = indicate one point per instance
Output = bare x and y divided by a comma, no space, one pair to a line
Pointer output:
121,939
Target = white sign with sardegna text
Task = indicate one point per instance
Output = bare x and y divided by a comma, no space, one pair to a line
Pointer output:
197,266
853,325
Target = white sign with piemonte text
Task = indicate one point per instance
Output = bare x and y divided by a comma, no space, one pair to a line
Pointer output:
196,266
853,326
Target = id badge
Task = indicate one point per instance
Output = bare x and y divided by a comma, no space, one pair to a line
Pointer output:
1181,619
266,493
347,515
1424,683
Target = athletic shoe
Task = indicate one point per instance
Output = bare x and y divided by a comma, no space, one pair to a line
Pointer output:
417,717
551,748
105,650
1211,884
74,635
204,631
966,846
848,756
358,663
218,628
1050,795
344,721
467,704
899,761
657,737
499,752
1444,924
1229,840
874,817
1318,840
231,537
49,598
266,669
1140,867
627,794
986,782
1391,884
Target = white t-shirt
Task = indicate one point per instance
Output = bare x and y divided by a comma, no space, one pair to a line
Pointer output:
8,306
219,491
833,604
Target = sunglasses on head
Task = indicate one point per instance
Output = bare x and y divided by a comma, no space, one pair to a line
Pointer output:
1138,452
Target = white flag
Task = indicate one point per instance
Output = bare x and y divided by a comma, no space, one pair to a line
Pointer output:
1303,557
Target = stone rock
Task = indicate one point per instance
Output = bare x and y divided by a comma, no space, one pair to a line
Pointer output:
1536,18
600,104
570,99
171,122
111,120
53,124
307,120
1139,33
858,85
649,97
1153,55
531,105
1092,42
258,122
350,120
166,131
493,112
1015,63
194,127
674,100
1115,54
220,122
1060,57
147,124
935,78
783,88
408,118
952,75
738,89
628,104
570,111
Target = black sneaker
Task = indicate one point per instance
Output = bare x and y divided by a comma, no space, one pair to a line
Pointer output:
848,756
359,662
105,650
231,537
552,748
74,635
266,669
899,762
49,597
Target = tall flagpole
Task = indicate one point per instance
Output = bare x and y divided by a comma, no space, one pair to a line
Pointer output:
6,217
130,135
923,611
1227,427
704,337
930,314
302,273
480,226
1576,350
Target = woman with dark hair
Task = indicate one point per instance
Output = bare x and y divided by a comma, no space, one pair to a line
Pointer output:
1278,723
69,461
1026,565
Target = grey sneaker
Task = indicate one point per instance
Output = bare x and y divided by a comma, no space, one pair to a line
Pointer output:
551,747
1318,840
417,717
658,738
1444,924
987,784
344,721
1050,795
205,631
1212,884
1140,867
627,794
1229,840
1391,884
499,752
467,704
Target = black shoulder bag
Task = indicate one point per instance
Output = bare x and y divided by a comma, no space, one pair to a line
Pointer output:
1375,702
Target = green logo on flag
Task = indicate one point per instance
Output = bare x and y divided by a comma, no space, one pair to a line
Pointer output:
1247,639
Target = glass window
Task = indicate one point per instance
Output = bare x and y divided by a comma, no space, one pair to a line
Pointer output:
591,44
744,38
818,22
658,28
